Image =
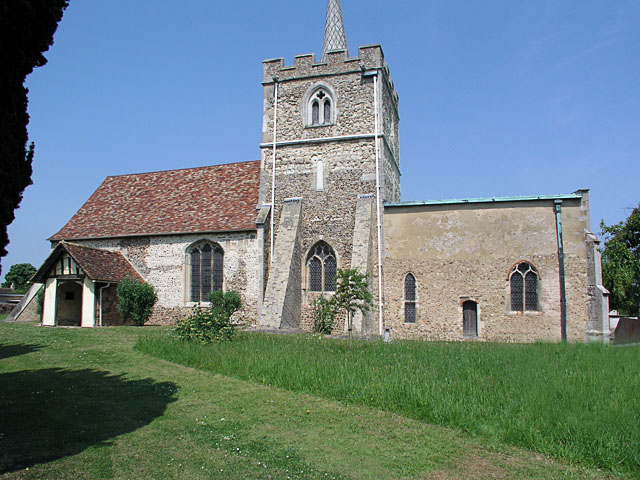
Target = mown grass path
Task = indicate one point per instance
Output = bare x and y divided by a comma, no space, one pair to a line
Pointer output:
83,404
574,402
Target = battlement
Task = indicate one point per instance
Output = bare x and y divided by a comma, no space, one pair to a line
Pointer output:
370,57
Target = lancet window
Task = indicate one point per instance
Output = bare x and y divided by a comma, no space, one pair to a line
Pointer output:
410,298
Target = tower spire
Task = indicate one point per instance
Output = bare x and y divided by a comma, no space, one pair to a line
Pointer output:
334,36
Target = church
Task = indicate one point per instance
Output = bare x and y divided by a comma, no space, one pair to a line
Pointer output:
325,195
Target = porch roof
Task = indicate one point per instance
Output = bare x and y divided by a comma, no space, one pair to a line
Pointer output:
97,264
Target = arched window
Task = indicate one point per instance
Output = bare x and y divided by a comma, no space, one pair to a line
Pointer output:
206,261
319,107
322,268
410,298
523,282
327,111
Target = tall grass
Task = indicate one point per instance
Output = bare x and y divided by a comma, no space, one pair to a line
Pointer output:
576,402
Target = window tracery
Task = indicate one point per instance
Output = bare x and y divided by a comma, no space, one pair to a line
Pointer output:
206,260
523,281
320,107
322,268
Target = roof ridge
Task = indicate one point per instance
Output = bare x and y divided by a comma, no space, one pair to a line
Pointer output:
212,198
203,167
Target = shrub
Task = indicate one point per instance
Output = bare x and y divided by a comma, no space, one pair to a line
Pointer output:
40,301
225,304
136,300
324,315
207,325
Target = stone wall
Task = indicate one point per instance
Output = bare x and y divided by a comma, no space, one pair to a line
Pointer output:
460,252
110,314
162,261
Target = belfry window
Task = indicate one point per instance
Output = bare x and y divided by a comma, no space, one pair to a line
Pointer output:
410,298
327,111
523,282
206,261
322,268
320,109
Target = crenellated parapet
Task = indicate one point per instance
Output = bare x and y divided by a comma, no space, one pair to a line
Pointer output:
370,57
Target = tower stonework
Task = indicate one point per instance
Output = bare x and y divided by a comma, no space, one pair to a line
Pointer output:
325,159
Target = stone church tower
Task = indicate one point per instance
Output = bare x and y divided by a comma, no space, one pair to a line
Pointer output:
323,174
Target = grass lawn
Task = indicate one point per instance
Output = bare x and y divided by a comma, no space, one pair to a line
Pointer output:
3,316
575,402
82,403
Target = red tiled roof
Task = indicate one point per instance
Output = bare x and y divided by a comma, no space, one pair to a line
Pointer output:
102,264
193,200
97,264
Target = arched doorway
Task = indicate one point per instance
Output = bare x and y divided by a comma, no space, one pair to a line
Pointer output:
470,319
69,303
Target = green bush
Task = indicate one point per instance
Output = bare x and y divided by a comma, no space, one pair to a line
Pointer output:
40,301
207,325
324,315
136,300
225,304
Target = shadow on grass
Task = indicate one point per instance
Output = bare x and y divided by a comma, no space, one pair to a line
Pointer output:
7,351
52,413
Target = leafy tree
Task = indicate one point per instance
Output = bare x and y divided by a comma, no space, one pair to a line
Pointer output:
136,300
18,277
352,294
621,263
26,32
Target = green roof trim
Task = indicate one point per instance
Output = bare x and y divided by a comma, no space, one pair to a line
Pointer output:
460,201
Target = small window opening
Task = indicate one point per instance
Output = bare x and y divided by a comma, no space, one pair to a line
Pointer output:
410,298
327,111
320,175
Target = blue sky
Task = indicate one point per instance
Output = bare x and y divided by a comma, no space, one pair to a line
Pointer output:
497,97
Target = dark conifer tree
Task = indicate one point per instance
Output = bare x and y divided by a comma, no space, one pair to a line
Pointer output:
26,32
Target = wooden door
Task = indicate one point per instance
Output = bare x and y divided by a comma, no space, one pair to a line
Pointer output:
470,319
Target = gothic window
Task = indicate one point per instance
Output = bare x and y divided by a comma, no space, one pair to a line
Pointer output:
410,298
327,111
523,281
319,108
206,261
322,268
